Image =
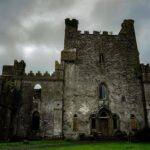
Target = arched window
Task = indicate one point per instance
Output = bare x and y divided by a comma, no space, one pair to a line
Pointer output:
133,122
93,121
75,123
102,91
37,91
103,114
36,121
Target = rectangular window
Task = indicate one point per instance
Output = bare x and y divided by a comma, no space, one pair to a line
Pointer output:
133,122
93,123
75,123
101,58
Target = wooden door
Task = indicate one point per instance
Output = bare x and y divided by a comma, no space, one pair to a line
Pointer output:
103,126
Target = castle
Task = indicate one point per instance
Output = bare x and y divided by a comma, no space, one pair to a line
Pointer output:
99,86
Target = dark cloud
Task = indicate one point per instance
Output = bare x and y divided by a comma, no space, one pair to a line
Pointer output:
33,30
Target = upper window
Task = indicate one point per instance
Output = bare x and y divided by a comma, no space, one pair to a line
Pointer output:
101,58
102,91
37,91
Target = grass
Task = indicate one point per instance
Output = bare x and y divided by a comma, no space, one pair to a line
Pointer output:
77,145
31,143
103,146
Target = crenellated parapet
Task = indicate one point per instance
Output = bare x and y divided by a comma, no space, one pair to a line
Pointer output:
145,72
71,23
95,33
37,75
73,35
56,75
18,69
59,70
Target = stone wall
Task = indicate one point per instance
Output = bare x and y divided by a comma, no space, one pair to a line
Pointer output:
70,96
51,99
119,72
146,85
19,111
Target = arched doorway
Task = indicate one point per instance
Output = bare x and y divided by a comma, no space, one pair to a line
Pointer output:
35,121
104,123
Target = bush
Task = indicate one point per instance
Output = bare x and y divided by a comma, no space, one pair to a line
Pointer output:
143,135
120,134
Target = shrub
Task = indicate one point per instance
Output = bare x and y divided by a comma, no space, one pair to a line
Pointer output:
143,135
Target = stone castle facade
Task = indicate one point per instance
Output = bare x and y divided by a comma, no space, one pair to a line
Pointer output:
98,87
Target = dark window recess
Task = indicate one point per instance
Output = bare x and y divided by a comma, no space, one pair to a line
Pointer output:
115,122
103,114
102,91
123,99
35,121
75,123
101,58
93,123
37,94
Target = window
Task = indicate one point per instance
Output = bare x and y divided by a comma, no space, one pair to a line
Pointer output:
115,121
103,114
37,91
101,58
75,123
35,120
123,98
93,121
133,122
102,91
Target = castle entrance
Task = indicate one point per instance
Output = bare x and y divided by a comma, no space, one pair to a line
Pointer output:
104,123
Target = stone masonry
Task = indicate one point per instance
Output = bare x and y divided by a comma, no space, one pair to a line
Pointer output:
99,87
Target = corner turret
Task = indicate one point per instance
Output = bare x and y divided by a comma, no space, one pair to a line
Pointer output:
19,67
71,28
128,28
127,32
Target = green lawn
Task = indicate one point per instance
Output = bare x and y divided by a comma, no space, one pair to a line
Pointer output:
77,145
103,146
32,143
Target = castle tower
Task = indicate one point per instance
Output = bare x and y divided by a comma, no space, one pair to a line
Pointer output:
71,27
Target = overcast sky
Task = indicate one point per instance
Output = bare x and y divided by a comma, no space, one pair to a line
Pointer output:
33,30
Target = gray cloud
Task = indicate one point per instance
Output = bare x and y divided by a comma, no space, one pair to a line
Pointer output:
33,30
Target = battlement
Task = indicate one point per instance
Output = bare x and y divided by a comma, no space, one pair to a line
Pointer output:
18,70
8,70
19,64
38,74
71,22
42,76
94,33
72,33
145,72
126,27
